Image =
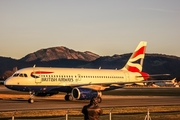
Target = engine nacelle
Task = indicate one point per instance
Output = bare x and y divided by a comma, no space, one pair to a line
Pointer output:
85,93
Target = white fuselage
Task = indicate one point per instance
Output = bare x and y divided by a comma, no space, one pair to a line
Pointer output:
71,77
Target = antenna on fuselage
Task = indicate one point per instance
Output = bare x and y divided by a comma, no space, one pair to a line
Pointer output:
34,68
34,65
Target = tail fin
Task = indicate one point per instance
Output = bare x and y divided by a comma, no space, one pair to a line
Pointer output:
135,62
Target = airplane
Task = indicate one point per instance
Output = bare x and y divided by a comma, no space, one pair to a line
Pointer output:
166,83
78,83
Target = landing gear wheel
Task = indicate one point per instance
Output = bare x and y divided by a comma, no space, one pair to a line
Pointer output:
30,100
68,97
99,99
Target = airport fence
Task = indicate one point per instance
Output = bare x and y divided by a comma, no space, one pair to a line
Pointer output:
114,113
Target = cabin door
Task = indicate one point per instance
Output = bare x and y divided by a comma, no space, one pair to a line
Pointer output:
38,80
37,75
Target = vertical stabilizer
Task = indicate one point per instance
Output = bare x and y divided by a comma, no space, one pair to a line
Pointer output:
135,62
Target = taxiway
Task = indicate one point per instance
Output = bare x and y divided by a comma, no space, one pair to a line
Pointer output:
42,103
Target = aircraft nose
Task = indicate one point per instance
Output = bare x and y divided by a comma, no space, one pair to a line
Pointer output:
7,83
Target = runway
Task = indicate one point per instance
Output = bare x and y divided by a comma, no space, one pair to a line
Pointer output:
16,104
12,104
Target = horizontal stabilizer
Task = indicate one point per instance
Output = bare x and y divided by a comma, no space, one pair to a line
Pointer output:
156,75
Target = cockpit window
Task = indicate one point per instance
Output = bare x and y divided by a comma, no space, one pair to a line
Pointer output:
20,75
15,75
25,75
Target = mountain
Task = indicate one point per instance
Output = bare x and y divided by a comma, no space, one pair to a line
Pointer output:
65,57
61,52
7,63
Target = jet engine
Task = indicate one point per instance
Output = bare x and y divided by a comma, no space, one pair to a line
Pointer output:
85,93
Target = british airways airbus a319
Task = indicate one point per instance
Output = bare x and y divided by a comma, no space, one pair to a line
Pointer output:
78,83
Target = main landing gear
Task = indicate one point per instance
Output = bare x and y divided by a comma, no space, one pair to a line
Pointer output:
31,100
68,97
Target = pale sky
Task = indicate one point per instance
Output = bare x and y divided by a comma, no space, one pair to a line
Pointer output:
105,27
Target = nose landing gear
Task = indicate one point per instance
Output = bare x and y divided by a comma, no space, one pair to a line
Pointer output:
31,100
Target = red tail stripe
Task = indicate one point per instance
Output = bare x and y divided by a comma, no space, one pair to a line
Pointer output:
144,75
133,69
140,51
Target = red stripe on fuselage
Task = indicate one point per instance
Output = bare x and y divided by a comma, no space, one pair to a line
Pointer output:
41,72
